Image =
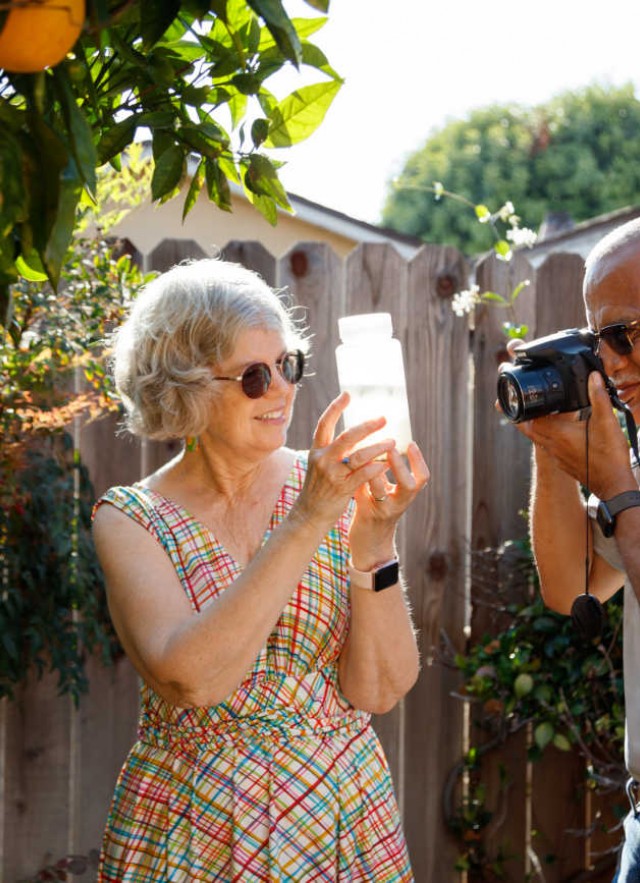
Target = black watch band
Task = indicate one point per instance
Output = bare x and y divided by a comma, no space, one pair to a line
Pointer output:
608,509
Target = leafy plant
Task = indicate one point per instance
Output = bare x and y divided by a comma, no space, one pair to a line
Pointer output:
535,671
52,373
190,75
53,608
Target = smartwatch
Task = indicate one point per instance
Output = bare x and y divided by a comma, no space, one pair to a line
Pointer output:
608,509
381,577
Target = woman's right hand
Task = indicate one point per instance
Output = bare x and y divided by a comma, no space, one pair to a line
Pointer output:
335,473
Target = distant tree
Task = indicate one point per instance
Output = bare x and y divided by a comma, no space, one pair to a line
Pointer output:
190,75
579,153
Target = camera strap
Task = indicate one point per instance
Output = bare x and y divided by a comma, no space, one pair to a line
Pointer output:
587,614
586,611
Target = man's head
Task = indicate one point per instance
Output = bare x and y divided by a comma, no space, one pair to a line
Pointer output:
612,298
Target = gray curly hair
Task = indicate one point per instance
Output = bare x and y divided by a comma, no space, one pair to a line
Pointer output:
184,322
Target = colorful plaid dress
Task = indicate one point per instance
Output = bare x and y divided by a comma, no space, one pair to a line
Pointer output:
282,781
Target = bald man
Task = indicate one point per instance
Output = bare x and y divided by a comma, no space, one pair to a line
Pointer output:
612,302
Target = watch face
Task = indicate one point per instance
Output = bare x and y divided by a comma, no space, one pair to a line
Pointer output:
605,519
386,576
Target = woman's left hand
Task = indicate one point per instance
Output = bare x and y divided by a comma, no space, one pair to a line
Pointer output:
380,504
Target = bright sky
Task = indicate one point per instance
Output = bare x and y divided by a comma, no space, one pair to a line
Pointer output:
411,65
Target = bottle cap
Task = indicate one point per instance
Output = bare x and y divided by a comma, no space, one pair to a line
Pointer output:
361,324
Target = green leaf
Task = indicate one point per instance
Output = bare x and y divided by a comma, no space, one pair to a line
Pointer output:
45,160
62,230
116,138
237,105
82,145
543,734
519,288
168,172
13,204
30,267
493,297
305,27
155,18
197,182
299,115
281,27
247,84
312,56
156,119
262,179
217,185
206,139
266,207
228,168
321,5
259,131
561,742
515,332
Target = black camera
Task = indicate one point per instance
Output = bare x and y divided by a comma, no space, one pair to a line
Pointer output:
549,375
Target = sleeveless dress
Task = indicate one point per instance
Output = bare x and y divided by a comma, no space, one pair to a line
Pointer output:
284,780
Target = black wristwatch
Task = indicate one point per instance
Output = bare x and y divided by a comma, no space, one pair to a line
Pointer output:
608,509
375,580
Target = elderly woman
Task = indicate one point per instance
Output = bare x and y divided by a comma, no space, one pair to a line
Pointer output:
256,591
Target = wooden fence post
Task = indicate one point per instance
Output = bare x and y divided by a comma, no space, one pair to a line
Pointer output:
501,457
312,274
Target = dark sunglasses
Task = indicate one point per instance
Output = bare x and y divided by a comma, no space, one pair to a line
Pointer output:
256,378
621,337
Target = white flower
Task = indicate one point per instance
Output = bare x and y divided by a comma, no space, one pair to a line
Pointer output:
506,212
464,301
522,236
438,189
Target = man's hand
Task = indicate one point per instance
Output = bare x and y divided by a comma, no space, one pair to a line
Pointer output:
567,438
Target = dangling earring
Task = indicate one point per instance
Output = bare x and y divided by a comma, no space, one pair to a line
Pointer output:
191,443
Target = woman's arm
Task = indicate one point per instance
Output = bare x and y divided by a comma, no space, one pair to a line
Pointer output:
380,661
196,659
200,659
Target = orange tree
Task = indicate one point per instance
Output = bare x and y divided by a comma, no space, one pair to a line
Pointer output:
190,75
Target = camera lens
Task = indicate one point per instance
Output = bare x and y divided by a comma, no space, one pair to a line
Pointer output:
510,397
525,392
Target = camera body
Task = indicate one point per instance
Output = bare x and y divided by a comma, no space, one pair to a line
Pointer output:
549,375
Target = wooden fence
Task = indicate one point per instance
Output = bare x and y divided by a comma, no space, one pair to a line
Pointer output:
58,765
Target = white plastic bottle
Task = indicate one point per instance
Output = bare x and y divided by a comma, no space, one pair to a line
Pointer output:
371,370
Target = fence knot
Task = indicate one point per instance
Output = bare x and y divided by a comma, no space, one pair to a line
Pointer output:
437,566
446,284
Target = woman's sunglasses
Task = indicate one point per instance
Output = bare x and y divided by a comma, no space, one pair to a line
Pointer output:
621,337
256,378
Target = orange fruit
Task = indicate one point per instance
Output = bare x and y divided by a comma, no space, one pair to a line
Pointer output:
39,33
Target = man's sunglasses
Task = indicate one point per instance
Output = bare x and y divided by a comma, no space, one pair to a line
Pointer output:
256,378
621,337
